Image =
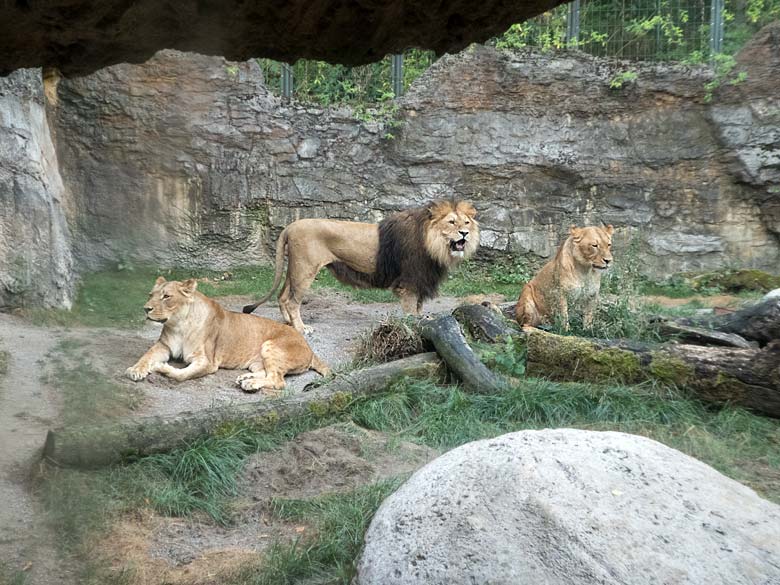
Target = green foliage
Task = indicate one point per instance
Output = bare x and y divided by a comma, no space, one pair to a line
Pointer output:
623,78
326,84
508,358
724,65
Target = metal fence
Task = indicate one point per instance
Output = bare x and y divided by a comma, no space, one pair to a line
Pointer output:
655,30
662,30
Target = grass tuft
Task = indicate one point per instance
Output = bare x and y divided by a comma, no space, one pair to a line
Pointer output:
339,522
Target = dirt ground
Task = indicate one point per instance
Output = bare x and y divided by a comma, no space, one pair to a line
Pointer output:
163,549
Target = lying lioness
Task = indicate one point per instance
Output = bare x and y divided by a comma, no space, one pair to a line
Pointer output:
573,275
200,332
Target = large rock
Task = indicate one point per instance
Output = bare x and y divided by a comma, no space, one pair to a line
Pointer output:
571,507
79,36
35,252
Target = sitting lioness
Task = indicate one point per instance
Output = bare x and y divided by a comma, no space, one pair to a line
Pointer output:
409,252
200,332
573,275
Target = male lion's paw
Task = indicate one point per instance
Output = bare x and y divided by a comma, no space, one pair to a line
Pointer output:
137,373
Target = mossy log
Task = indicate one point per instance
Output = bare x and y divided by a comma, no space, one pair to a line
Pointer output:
450,343
748,377
98,446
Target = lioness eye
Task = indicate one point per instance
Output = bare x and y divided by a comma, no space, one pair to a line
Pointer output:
468,222
452,221
595,245
166,297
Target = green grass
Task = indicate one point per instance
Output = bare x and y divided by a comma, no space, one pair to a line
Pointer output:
339,522
10,576
732,440
114,298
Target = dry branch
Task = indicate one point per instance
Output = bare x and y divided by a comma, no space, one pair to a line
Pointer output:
97,446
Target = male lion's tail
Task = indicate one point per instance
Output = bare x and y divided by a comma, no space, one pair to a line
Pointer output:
281,244
319,366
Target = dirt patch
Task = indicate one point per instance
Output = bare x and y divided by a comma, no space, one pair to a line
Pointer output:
330,460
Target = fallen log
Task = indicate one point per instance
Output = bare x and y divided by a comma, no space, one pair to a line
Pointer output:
450,343
748,377
98,446
759,322
484,323
701,336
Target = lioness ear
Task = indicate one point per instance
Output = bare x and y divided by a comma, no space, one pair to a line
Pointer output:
575,232
159,281
188,286
610,230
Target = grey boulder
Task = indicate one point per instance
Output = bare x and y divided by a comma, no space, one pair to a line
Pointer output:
571,507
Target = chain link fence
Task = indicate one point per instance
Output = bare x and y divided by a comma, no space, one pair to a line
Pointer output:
693,31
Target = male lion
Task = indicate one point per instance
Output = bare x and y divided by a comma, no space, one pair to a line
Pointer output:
409,252
199,331
573,275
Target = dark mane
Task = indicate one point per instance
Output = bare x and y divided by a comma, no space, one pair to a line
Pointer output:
403,260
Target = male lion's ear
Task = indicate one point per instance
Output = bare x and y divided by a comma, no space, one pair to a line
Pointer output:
609,229
159,281
188,286
468,209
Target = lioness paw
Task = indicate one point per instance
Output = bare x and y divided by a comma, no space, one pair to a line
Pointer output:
136,373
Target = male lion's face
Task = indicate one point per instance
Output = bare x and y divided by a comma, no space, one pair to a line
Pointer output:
593,246
453,232
168,298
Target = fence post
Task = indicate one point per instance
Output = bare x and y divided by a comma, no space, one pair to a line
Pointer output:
397,74
287,81
573,23
716,27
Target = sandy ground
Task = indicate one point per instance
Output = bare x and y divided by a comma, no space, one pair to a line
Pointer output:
29,406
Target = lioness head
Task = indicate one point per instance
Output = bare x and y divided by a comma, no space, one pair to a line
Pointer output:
168,299
592,246
452,233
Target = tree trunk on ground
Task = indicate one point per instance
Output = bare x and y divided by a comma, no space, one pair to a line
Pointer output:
484,323
97,446
759,322
748,377
448,339
702,336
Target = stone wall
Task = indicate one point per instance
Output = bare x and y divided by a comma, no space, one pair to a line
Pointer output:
189,160
35,254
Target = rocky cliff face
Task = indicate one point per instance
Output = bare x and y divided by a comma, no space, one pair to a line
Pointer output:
189,160
35,254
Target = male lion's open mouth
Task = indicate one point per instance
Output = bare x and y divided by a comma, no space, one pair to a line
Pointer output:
458,246
600,267
163,320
